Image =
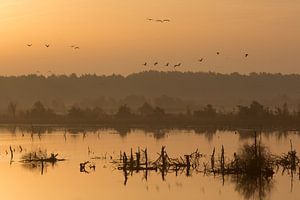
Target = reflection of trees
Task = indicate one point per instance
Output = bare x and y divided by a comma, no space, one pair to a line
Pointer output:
254,166
123,131
159,134
207,132
158,131
253,187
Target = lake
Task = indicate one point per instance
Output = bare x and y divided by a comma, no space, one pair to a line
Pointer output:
63,180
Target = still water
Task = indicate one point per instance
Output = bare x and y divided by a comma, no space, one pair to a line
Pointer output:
65,181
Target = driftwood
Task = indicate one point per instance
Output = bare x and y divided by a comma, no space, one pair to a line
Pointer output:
86,167
253,160
39,159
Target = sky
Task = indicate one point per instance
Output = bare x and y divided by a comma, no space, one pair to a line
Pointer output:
115,37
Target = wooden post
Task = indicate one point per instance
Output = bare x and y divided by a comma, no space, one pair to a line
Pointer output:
222,159
146,159
42,170
138,156
124,161
11,153
188,165
131,160
212,160
164,163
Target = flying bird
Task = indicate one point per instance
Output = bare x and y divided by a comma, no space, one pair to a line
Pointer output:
76,48
149,19
246,55
200,60
145,64
156,63
29,45
167,64
47,45
177,65
218,53
166,20
159,20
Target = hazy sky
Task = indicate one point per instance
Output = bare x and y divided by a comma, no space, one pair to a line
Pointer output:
115,37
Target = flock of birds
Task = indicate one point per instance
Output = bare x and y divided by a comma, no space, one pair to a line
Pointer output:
179,64
146,63
167,64
48,45
158,20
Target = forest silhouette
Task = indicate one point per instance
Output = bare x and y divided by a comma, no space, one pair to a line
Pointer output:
172,91
252,116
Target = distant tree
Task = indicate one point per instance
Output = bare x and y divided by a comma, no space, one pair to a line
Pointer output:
188,111
146,110
12,109
133,101
75,112
282,111
159,112
88,114
257,110
97,112
254,111
58,105
93,114
285,110
40,111
298,110
124,112
207,112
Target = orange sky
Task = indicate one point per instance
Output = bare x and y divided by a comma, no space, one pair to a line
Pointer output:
115,37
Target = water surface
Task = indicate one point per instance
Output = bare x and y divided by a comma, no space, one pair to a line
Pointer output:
65,181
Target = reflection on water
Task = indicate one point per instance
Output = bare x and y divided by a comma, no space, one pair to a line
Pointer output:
253,187
39,160
94,152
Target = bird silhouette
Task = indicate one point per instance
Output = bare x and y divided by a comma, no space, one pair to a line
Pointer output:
218,53
29,45
149,19
72,46
166,20
159,20
76,48
47,45
167,64
145,64
246,55
156,63
201,59
177,65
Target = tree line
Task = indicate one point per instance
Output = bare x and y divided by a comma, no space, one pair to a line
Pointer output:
254,114
172,91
